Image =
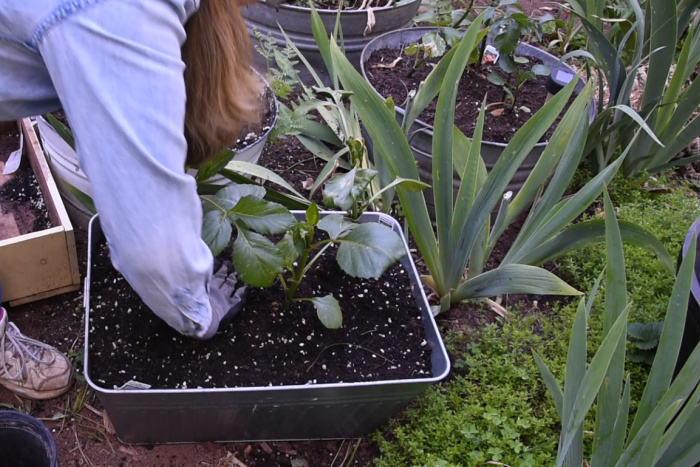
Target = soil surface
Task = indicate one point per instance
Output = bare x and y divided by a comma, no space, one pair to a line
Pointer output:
22,207
392,74
382,336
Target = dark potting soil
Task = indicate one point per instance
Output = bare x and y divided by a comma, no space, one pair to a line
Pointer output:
500,123
382,337
20,194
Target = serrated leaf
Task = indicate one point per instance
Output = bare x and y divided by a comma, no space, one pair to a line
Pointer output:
257,260
369,249
645,335
328,311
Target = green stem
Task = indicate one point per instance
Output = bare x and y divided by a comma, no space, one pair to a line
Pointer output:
464,16
296,279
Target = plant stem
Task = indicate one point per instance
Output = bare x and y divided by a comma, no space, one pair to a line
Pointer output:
464,16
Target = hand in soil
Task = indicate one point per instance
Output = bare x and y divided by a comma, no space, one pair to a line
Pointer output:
226,294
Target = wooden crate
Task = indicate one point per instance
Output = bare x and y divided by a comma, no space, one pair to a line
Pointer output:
44,263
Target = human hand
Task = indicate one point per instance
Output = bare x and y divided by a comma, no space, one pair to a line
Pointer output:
226,296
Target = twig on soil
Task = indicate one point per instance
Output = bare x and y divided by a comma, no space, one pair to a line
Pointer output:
80,448
230,461
337,453
349,345
354,452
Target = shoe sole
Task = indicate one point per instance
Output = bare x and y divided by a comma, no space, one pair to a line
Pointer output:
36,395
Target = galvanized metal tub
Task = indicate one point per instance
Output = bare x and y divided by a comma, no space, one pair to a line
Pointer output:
295,412
420,136
296,23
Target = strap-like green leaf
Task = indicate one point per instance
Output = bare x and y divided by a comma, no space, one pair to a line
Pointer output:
669,343
391,145
608,405
593,231
591,383
510,279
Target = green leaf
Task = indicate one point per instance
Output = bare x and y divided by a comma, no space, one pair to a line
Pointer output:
257,260
227,197
551,382
515,152
645,336
216,231
591,383
291,247
328,311
608,405
262,216
496,79
290,202
212,167
63,130
369,249
335,225
561,156
82,197
443,164
589,232
662,36
344,190
312,214
669,344
511,279
263,174
391,145
575,372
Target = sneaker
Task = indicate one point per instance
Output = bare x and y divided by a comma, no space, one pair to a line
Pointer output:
31,368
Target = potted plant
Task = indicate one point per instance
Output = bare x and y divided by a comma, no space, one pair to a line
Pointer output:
58,144
457,243
359,22
44,261
225,403
505,111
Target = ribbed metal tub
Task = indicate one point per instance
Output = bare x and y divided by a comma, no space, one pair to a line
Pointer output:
295,412
296,23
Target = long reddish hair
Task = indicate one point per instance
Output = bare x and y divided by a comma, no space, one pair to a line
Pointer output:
223,96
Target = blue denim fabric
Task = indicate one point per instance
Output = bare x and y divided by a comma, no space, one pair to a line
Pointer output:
115,67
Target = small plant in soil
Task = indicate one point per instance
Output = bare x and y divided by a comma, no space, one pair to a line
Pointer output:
513,84
363,250
432,45
508,26
324,120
